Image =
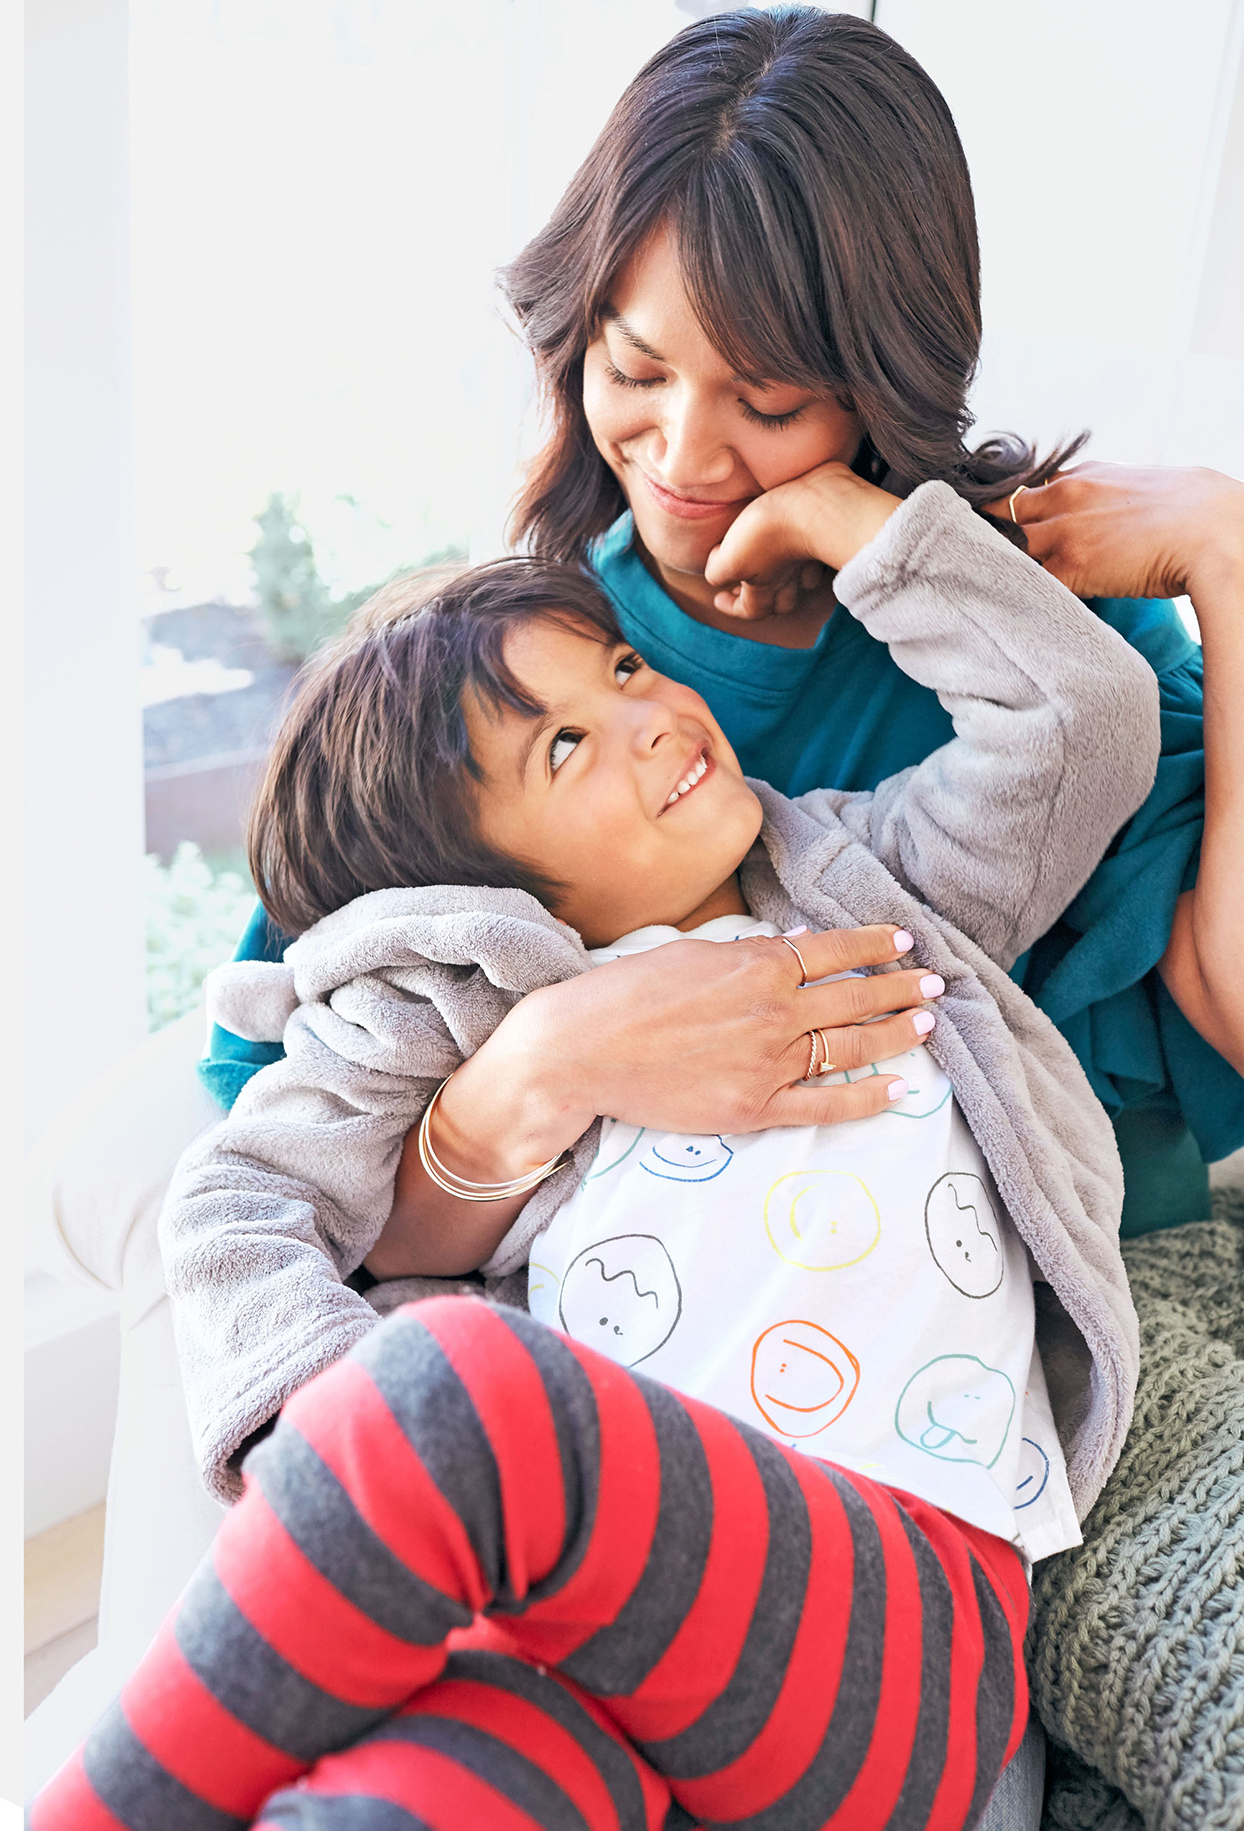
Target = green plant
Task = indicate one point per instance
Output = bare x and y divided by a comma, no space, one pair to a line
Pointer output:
298,609
195,914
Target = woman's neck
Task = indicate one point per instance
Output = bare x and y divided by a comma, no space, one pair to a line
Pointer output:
693,595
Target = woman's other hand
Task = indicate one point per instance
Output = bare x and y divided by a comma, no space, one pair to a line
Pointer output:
1109,531
782,544
1115,531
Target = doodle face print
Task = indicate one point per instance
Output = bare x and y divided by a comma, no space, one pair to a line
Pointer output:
1034,1472
621,1296
964,1235
679,1159
616,1144
803,1378
821,1220
927,1087
957,1409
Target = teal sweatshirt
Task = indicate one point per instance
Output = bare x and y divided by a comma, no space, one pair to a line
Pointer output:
841,714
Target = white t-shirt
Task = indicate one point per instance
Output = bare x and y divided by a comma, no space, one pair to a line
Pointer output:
856,1290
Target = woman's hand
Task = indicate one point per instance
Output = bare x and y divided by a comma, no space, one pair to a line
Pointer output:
696,1037
1109,531
1113,531
778,549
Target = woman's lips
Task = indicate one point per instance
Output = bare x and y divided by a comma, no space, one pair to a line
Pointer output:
687,508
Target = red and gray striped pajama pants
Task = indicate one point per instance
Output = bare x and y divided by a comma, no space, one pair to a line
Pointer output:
481,1576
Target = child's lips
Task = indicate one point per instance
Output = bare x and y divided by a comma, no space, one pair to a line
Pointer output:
689,781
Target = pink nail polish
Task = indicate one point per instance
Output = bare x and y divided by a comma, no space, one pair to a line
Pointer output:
932,985
923,1022
896,1090
903,941
792,932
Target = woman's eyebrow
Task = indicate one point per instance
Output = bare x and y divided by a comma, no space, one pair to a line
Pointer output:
612,316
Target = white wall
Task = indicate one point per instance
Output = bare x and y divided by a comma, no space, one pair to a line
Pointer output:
83,769
82,804
1106,143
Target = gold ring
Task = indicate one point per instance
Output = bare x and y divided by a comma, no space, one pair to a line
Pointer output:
812,1067
802,968
826,1067
1018,491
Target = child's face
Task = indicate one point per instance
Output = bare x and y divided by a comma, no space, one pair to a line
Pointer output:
587,795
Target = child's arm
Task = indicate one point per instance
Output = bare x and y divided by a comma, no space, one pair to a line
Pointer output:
1056,717
1056,724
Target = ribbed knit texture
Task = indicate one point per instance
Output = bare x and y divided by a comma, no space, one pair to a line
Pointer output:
1136,1643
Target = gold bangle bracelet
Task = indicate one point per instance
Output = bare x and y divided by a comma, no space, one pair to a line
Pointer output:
459,1186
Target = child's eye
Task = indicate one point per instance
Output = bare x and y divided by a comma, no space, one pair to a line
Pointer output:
561,748
628,665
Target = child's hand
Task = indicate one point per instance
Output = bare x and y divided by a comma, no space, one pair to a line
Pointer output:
778,549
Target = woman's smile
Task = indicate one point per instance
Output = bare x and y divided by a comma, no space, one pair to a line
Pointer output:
692,507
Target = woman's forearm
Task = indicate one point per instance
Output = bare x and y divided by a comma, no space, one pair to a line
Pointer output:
1201,966
496,1119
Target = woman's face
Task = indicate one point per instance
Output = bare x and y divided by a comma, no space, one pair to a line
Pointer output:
690,443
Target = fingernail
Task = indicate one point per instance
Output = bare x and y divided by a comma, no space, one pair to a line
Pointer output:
903,941
932,985
896,1090
923,1022
792,932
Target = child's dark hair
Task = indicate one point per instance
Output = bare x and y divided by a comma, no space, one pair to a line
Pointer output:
371,783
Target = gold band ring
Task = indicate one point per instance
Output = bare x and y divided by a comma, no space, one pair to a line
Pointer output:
826,1067
818,1055
1014,493
802,968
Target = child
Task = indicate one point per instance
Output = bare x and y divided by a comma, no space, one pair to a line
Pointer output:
862,1293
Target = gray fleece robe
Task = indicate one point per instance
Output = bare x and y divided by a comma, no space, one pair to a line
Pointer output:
975,851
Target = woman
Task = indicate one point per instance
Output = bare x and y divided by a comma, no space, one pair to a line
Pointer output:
767,266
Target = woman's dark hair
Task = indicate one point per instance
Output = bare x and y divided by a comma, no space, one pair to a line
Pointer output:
813,183
370,784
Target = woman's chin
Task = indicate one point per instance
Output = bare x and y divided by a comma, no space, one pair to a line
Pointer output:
682,550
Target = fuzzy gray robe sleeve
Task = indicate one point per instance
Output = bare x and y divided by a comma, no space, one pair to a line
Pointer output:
269,1212
1056,725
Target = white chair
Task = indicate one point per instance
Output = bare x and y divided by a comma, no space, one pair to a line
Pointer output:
94,1189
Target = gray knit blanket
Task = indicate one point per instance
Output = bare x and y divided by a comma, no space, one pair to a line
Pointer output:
1136,1648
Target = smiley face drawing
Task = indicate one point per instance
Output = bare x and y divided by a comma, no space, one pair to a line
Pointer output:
957,1409
678,1159
1032,1475
821,1220
928,1089
803,1378
963,1233
621,1296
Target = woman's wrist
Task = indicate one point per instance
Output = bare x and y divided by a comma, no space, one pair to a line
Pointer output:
505,1112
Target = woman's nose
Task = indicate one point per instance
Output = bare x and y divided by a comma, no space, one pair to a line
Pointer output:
696,453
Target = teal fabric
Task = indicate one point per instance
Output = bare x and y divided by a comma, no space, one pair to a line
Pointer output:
230,1060
842,714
